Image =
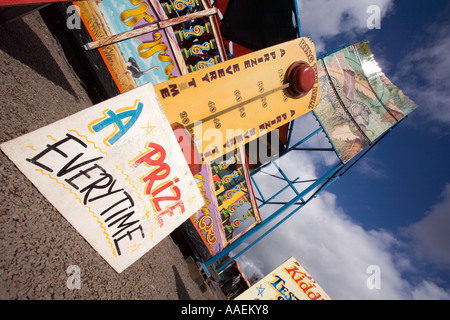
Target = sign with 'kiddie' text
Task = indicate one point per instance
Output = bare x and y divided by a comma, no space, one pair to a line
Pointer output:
115,171
289,281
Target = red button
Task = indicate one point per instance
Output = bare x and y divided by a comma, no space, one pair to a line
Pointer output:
301,78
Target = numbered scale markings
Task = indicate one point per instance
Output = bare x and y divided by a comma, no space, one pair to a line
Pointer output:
231,103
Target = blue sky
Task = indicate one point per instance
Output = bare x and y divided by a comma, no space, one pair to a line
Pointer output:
392,209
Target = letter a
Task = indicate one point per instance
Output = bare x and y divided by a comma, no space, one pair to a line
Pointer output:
130,114
73,19
74,279
374,281
374,20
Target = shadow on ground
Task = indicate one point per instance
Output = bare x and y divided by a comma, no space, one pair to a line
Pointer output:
32,52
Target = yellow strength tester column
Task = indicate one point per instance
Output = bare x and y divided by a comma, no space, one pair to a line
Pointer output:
231,103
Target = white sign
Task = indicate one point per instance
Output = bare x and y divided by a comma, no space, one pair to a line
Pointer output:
115,171
289,281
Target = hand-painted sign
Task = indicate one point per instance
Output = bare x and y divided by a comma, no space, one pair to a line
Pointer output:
290,281
115,171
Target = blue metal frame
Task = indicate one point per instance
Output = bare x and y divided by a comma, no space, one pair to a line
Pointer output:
333,51
276,194
326,133
320,183
324,179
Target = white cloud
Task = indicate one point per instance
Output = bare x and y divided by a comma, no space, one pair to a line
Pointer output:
429,291
424,75
323,19
337,251
430,237
371,168
334,249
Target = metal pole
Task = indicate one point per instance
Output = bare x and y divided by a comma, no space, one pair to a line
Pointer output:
312,149
333,51
290,183
286,178
305,139
290,129
257,188
277,193
297,15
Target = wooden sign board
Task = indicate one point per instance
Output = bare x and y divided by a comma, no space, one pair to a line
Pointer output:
236,101
289,281
115,171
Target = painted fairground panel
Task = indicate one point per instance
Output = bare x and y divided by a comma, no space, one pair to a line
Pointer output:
197,43
395,101
358,103
236,202
205,226
340,127
199,40
175,48
147,58
356,94
230,208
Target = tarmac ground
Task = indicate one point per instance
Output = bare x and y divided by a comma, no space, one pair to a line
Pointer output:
38,245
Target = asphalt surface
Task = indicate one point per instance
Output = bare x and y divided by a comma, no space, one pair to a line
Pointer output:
37,244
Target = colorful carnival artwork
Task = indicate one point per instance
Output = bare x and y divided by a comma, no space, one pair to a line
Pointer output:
230,208
358,102
157,55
